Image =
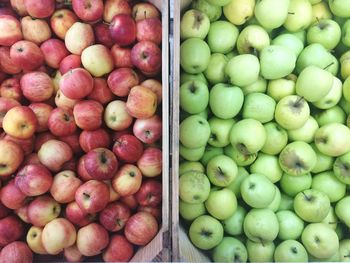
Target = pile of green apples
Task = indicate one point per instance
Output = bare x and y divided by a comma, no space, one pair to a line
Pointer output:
264,132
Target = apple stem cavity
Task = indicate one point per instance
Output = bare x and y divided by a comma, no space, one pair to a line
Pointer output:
242,149
206,233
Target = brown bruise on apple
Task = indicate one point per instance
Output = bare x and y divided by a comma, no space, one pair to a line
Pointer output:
291,160
297,105
198,19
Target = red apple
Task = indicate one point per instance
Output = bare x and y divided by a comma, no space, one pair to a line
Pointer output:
117,134
27,54
141,103
115,7
76,83
92,196
11,196
27,145
42,210
70,62
150,162
128,180
41,138
35,30
4,211
16,252
113,195
88,115
101,92
77,216
130,201
101,163
128,148
78,37
61,122
19,7
64,186
37,86
34,240
92,239
122,57
5,105
123,30
11,229
53,154
10,30
150,193
155,86
147,57
70,165
90,140
121,80
11,157
149,29
98,60
114,216
73,142
102,35
118,250
144,10
148,130
6,9
88,10
61,21
72,254
6,62
155,211
83,174
22,212
40,8
63,101
42,112
31,159
54,52
141,228
116,116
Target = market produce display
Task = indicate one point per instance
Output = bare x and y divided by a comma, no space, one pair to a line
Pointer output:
264,129
80,129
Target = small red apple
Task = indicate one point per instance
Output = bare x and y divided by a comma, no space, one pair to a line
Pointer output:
37,86
121,80
118,250
147,57
73,142
121,56
40,8
102,35
70,62
149,29
101,92
155,211
41,138
42,210
114,216
22,212
92,239
72,254
27,54
88,114
88,10
6,62
150,193
4,211
128,148
11,196
61,122
76,83
90,140
130,201
123,30
54,52
77,216
148,130
83,174
10,30
11,229
150,162
16,252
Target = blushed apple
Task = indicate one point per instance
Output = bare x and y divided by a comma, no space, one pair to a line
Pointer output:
40,8
18,252
19,6
123,29
64,186
42,112
11,196
101,92
88,10
34,241
149,29
115,7
148,130
10,29
61,21
90,140
127,180
37,86
88,115
54,52
97,59
147,57
77,216
78,37
121,80
118,250
155,86
72,254
61,122
11,229
114,216
42,210
92,239
130,201
5,105
70,62
101,164
144,10
121,56
20,122
76,83
41,138
63,101
7,64
141,102
150,193
128,148
150,163
116,116
27,54
35,30
102,35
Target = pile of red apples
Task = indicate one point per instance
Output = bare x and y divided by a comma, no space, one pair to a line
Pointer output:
80,128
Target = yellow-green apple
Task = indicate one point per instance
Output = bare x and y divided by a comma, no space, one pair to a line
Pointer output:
27,55
6,62
252,39
305,133
5,105
63,101
77,216
19,6
344,249
64,186
42,112
320,11
42,210
90,140
299,15
92,196
40,8
69,62
194,96
127,180
10,29
17,251
263,14
97,59
292,185
61,21
88,114
141,102
215,72
54,51
115,7
341,168
333,96
267,165
92,239
149,29
332,115
192,154
88,10
290,225
128,148
72,254
217,200
116,116
147,57
194,24
235,186
260,251
150,193
194,187
11,229
121,56
290,41
342,210
339,8
35,30
11,196
240,77
141,228
221,170
121,80
222,37
148,130
78,37
329,184
290,250
194,132
195,55
344,65
76,83
114,216
150,162
123,29
326,32
234,224
238,12
230,249
144,10
213,11
61,122
34,241
101,92
101,164
259,106
57,235
118,250
20,122
37,86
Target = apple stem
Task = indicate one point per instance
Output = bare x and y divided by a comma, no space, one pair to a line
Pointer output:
291,13
306,197
106,23
328,65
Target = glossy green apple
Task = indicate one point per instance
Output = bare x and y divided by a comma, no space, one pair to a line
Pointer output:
209,153
292,185
274,205
286,203
341,168
235,186
340,7
328,183
230,250
239,11
345,64
344,250
267,165
258,86
345,105
221,203
292,112
260,252
221,170
206,232
190,212
289,41
270,19
311,205
243,70
346,89
240,158
331,219
252,39
257,191
212,11
324,162
333,96
320,240
191,154
194,96
334,258
194,132
332,115
194,55
184,77
290,251
320,11
346,33
299,15
190,166
194,23
342,210
305,133
276,138
234,224
326,32
222,37
225,100
259,106
194,187
291,226
261,225
220,131
215,72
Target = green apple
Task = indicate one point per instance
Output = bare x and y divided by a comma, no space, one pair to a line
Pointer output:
191,154
194,55
305,133
194,187
277,61
340,7
291,226
320,11
286,203
331,219
252,39
260,252
344,250
215,72
297,158
341,168
292,112
230,250
221,203
206,232
259,106
194,23
212,11
342,210
328,183
311,205
239,11
345,64
222,37
333,139
290,251
248,136
190,212
289,41
261,225
333,96
219,2
221,170
267,165
274,205
194,96
276,138
243,70
299,15
234,224
225,100
270,19
257,191
190,166
184,77
346,33
332,115
334,258
240,158
292,185
220,131
209,153
194,132
320,240
314,83
326,32
340,231
324,162
346,89
235,186
258,86
345,105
